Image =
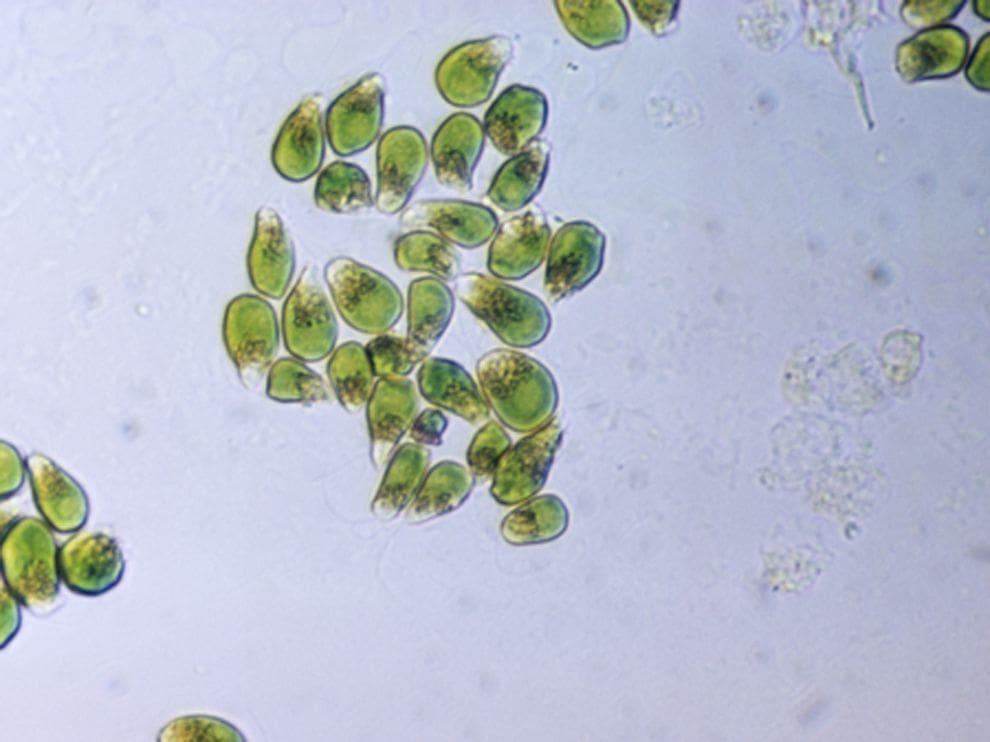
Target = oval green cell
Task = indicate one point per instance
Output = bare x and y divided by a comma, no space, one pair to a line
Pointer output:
456,148
595,23
520,245
932,54
421,250
520,389
27,556
486,448
446,487
367,300
536,521
522,471
428,427
515,118
391,410
978,68
58,497
342,187
349,370
575,257
308,322
292,381
520,178
355,116
516,317
199,728
10,616
982,9
271,256
447,384
11,470
401,159
467,74
924,13
389,354
403,476
250,334
91,563
431,307
467,223
297,151
656,16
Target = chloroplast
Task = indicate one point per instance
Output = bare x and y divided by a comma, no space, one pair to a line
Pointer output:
978,68
656,16
367,300
199,728
515,118
924,13
487,445
456,148
298,148
391,410
447,384
403,475
290,380
342,187
401,159
520,178
523,470
575,257
91,562
520,389
516,317
536,521
932,53
27,557
10,616
58,497
430,309
467,223
467,74
595,23
309,326
250,334
11,470
520,245
271,256
389,354
355,116
445,488
428,427
349,370
422,250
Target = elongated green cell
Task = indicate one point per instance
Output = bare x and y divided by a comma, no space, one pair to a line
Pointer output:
308,323
389,354
519,245
448,385
298,148
58,497
467,74
515,118
932,54
349,370
520,178
421,250
978,68
523,470
403,476
519,388
924,13
446,487
391,411
467,223
91,563
656,16
10,616
577,250
355,116
431,307
11,470
595,23
271,256
428,427
27,557
515,316
401,159
342,187
199,728
250,334
486,448
367,300
982,9
290,380
456,148
536,521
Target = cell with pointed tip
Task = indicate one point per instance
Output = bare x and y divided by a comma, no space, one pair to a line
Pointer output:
400,159
467,223
428,427
467,74
522,471
403,476
199,728
90,562
520,178
456,148
271,255
58,497
422,250
297,151
391,410
309,326
932,54
354,117
367,300
448,385
520,245
519,388
290,380
430,309
595,23
342,187
10,616
515,118
486,448
446,487
250,334
516,317
11,470
350,374
389,354
536,521
656,16
27,559
982,9
925,13
978,67
575,257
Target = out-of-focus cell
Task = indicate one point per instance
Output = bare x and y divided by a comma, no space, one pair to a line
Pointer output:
519,245
349,370
389,354
520,389
523,470
595,23
11,470
978,68
403,476
271,256
467,223
421,250
467,74
536,521
297,152
520,178
577,250
515,316
308,323
790,571
448,385
290,380
515,118
250,334
456,148
924,13
431,307
766,24
844,490
901,355
486,448
342,187
27,557
428,427
401,160
367,300
447,485
91,563
58,497
10,616
391,410
932,54
199,728
355,116
982,9
656,16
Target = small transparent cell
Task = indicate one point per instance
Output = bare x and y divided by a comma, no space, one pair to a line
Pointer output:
456,148
355,116
520,389
91,563
428,427
199,728
448,385
468,73
391,410
422,250
575,257
978,68
522,471
595,23
656,16
58,497
901,355
271,256
401,160
519,245
520,178
349,370
932,54
342,187
403,476
27,558
445,488
297,152
367,300
925,13
467,223
11,470
517,317
250,334
536,521
308,322
486,448
515,118
292,381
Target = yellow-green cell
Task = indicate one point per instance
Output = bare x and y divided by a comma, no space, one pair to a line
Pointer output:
389,354
536,521
982,9
520,178
445,488
515,316
577,250
297,152
355,116
486,448
349,370
290,380
522,471
91,563
467,223
519,388
656,16
468,73
901,354
250,334
422,250
515,118
309,326
401,159
932,54
595,23
27,557
11,470
924,13
978,68
391,411
271,256
403,476
519,245
456,148
10,616
431,307
367,300
428,427
58,497
342,187
199,728
447,384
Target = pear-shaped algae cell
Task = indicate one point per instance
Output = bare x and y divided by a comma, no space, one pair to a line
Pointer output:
536,521
978,68
577,250
391,410
401,160
290,380
199,728
523,470
403,476
91,563
271,256
445,488
515,316
297,152
10,616
456,148
58,497
342,187
520,389
355,116
11,470
515,118
519,245
389,354
486,448
309,326
27,558
595,23
428,427
430,309
250,334
422,250
656,16
520,178
932,54
468,73
925,13
367,300
350,373
448,385
467,223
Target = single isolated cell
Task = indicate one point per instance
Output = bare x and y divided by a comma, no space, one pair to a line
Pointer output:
349,370
403,476
595,23
901,354
575,257
428,427
11,470
58,497
468,73
456,149
389,354
422,250
516,317
520,389
982,9
536,521
978,69
486,448
91,563
445,488
10,616
467,223
199,728
342,187
932,54
297,152
308,322
924,13
250,334
367,300
522,471
515,118
271,255
519,245
521,177
355,116
431,307
401,159
447,384
27,558
391,410
656,16
292,381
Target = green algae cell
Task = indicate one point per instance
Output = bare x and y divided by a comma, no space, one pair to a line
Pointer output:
355,116
978,68
403,476
595,23
486,448
924,13
309,326
456,148
271,256
389,354
656,16
519,246
297,152
10,616
342,187
446,487
467,223
367,300
523,470
520,389
292,381
430,309
577,250
422,250
58,497
468,73
349,370
515,118
27,557
199,728
250,334
448,385
536,521
932,54
11,470
391,410
520,178
90,563
428,427
516,317
401,159
982,9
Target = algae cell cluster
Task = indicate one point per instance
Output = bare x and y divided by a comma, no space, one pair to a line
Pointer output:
939,48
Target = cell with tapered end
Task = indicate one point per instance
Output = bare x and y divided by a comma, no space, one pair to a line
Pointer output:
515,118
391,410
58,497
290,380
349,370
523,470
982,9
456,148
925,13
448,385
519,245
932,54
422,250
428,427
199,728
520,178
467,74
515,316
978,67
11,470
355,116
271,255
401,159
467,223
90,563
308,322
389,354
403,476
446,487
486,448
575,257
27,558
595,23
430,309
250,334
366,299
536,521
656,16
297,151
520,389
10,616
342,187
